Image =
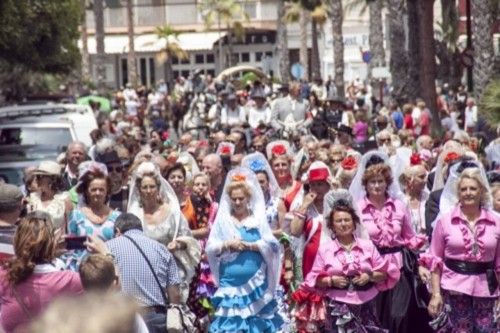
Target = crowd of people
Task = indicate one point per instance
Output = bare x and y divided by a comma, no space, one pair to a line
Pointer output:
207,208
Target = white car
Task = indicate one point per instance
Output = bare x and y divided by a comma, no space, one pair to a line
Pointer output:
49,121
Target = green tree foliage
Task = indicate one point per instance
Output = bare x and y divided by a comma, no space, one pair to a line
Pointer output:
40,35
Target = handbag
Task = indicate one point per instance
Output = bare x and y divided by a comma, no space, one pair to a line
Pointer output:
179,318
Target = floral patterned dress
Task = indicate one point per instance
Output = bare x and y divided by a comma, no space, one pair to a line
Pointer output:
80,225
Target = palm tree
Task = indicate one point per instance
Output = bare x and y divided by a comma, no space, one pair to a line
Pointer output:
376,32
295,13
335,13
412,87
85,46
171,50
281,50
131,64
232,15
376,35
489,106
428,60
484,56
318,18
99,37
449,69
398,63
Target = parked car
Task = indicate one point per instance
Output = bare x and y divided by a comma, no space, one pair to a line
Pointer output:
15,158
52,116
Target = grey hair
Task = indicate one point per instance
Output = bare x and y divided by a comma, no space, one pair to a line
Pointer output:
104,145
126,222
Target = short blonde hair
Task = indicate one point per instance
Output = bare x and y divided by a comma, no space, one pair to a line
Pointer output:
475,174
202,175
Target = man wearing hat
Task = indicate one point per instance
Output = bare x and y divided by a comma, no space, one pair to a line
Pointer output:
259,113
232,114
11,205
117,175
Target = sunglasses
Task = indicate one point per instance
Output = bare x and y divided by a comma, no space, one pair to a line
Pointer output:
385,140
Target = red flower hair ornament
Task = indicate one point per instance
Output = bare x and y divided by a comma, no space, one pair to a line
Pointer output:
279,149
415,159
225,150
349,163
451,156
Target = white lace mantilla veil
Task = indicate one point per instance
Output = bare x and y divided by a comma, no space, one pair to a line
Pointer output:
449,197
335,196
166,193
190,165
357,189
224,229
440,164
258,162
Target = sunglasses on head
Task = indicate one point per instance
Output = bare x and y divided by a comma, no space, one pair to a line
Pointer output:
385,140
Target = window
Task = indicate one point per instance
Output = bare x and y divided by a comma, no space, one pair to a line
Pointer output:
258,56
152,77
124,72
55,137
176,74
199,59
186,61
210,58
143,71
235,57
269,54
175,61
185,74
211,72
245,57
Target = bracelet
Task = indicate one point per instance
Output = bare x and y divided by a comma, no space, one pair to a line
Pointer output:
299,215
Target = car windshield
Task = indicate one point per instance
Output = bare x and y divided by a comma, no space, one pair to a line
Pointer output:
33,135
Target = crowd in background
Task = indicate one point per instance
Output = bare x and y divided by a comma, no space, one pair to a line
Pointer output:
245,207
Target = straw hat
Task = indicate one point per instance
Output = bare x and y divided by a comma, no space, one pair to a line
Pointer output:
49,168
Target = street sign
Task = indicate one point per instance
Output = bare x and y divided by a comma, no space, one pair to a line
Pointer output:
297,70
367,56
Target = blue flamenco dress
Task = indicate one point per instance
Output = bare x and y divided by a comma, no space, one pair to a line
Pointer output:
244,302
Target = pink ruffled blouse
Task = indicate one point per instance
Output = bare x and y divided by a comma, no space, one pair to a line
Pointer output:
453,239
390,227
333,259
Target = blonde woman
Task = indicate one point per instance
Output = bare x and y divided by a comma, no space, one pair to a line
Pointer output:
463,255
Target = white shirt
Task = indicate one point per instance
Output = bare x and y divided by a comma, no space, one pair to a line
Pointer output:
256,116
470,117
232,117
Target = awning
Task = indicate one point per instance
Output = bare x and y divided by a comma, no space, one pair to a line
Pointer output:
150,43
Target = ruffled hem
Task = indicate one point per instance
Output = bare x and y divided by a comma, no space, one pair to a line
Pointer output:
393,275
253,324
205,290
309,306
240,301
431,262
247,288
264,306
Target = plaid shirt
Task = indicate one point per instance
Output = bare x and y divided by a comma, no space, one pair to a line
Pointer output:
136,277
